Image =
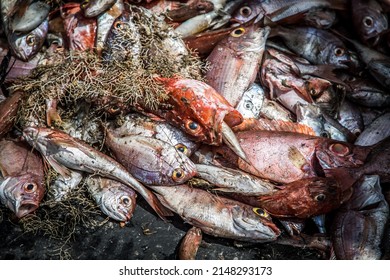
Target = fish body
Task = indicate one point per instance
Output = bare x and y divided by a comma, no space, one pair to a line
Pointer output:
33,16
151,161
287,156
94,8
234,62
217,216
64,152
140,125
350,117
378,130
316,45
234,181
190,244
189,10
359,225
115,199
22,179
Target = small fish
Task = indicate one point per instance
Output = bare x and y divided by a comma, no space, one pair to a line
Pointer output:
190,244
239,53
218,216
151,161
115,199
63,152
94,8
350,117
251,102
369,20
230,180
316,45
321,18
21,178
33,16
359,225
305,198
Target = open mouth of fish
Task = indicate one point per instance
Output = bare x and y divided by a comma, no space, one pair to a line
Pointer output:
25,208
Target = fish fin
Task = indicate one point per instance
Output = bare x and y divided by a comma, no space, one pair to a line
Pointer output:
65,172
158,202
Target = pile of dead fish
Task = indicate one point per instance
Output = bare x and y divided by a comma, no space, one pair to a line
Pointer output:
289,121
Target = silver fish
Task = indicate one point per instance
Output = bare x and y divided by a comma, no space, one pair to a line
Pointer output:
63,152
251,102
218,216
115,199
33,16
232,180
93,8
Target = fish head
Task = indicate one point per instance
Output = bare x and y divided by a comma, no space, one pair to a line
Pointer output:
25,46
337,54
370,21
181,168
246,39
255,222
198,109
332,153
118,201
22,194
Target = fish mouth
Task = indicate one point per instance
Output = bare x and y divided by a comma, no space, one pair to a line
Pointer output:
25,208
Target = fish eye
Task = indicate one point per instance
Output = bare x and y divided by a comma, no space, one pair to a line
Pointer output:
245,11
339,149
313,92
113,110
192,125
118,25
30,187
181,148
261,212
238,32
125,200
325,134
84,4
200,7
368,21
177,174
30,40
339,51
320,197
351,79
